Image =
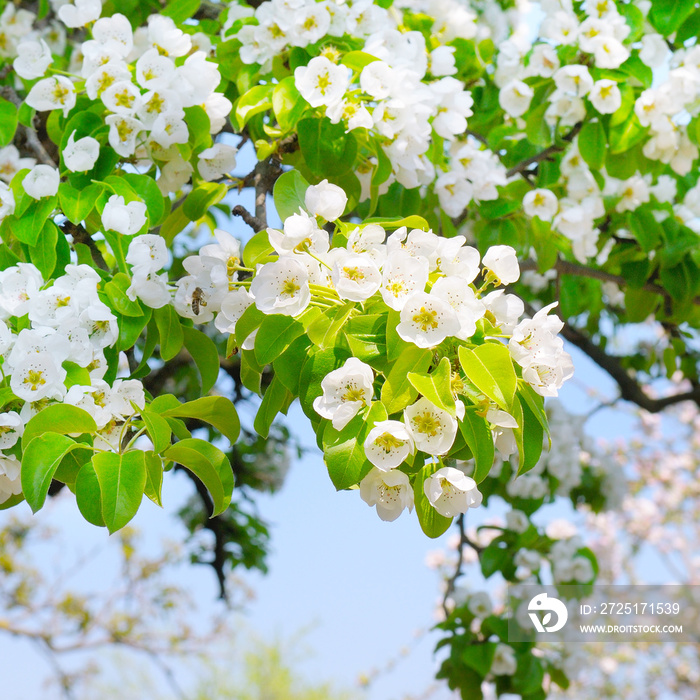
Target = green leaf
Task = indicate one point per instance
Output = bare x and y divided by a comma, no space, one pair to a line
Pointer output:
118,298
287,103
42,457
476,433
276,398
173,224
536,405
436,386
326,148
257,248
198,126
343,450
640,304
202,197
88,495
170,331
357,60
8,122
250,320
529,436
210,465
668,15
479,657
490,368
324,329
289,364
251,372
205,355
130,328
398,391
592,143
536,128
626,135
257,99
43,254
154,477
276,333
494,558
28,228
158,429
645,228
122,479
288,194
431,522
218,411
58,418
76,375
77,204
180,10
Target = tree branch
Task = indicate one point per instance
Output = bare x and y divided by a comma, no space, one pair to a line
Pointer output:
564,267
630,389
251,220
80,235
521,168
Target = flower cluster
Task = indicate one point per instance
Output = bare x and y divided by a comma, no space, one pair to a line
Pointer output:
145,80
52,344
401,96
429,283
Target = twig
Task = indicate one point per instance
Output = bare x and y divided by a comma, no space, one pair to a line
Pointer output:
522,167
568,268
80,235
251,220
449,590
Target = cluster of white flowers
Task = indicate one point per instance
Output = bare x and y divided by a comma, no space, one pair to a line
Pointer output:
147,255
144,84
567,565
210,287
664,110
427,279
604,35
403,96
537,348
62,342
574,215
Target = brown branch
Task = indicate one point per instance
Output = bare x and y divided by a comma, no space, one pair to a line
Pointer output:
215,526
451,582
251,220
630,389
80,235
564,267
521,168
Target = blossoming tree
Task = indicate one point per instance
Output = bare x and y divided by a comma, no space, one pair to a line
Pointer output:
457,186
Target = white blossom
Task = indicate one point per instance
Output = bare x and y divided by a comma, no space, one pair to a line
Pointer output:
81,155
503,262
216,161
281,287
390,492
426,320
433,430
123,218
451,492
41,181
345,391
388,444
325,200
